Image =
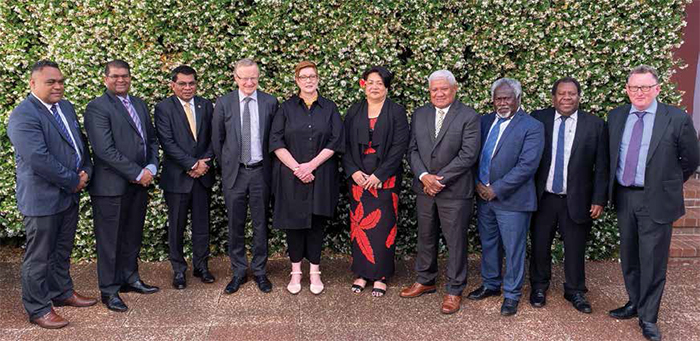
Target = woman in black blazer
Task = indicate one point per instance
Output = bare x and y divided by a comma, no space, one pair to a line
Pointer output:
376,137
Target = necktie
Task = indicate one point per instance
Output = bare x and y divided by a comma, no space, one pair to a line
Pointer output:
64,130
245,132
135,118
438,122
558,183
487,152
630,170
190,120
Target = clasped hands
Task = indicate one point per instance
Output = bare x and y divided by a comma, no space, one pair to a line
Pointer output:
82,183
200,168
366,181
431,184
485,192
304,172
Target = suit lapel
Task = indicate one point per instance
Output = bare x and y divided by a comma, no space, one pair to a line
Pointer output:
548,131
262,117
617,128
182,116
660,123
236,117
582,120
430,123
511,126
48,113
199,112
449,117
72,125
121,109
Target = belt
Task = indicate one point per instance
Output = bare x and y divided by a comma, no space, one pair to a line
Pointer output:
633,188
252,165
562,196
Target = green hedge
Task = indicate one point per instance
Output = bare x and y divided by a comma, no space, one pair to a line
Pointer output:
596,41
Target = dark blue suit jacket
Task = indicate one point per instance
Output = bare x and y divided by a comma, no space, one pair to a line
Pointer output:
45,158
515,162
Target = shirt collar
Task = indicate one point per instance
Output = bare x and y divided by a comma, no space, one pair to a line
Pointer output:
48,106
651,109
122,98
511,116
445,109
573,116
242,96
190,102
317,101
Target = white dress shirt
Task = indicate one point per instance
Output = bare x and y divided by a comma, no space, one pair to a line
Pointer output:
255,138
194,112
446,110
569,134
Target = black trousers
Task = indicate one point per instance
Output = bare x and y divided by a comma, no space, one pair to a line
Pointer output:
179,204
118,224
46,263
250,188
644,249
307,243
553,215
451,216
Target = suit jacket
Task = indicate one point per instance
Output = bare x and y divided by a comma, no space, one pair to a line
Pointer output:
587,177
179,146
116,143
226,134
45,157
673,157
451,155
515,161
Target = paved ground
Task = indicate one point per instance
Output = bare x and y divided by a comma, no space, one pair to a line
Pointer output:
203,312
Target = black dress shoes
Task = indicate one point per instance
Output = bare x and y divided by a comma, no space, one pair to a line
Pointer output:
650,331
483,292
263,283
579,302
509,307
114,303
139,287
538,298
179,281
234,285
623,313
204,275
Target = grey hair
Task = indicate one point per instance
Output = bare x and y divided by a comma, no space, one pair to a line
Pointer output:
509,82
443,74
243,63
642,69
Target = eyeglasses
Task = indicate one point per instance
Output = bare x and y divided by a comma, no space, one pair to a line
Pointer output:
184,84
248,79
643,88
115,77
310,77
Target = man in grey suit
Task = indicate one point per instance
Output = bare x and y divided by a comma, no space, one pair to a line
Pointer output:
240,134
53,167
653,151
445,142
126,159
183,124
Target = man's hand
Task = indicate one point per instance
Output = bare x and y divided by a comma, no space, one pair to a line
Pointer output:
431,184
596,211
372,182
485,192
200,168
146,178
360,178
83,182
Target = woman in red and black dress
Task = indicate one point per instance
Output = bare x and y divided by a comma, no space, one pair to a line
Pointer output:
376,136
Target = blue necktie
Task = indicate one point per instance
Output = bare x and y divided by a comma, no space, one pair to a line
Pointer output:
558,183
487,152
64,131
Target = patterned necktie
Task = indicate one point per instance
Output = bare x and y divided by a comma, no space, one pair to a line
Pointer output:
190,120
487,152
245,132
558,182
64,130
630,170
438,122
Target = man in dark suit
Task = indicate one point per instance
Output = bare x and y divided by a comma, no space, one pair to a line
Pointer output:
443,150
653,151
126,159
240,134
183,124
53,167
572,189
510,154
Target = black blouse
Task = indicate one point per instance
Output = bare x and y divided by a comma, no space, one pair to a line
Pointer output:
305,132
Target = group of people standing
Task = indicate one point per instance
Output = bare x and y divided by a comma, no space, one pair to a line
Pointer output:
552,170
